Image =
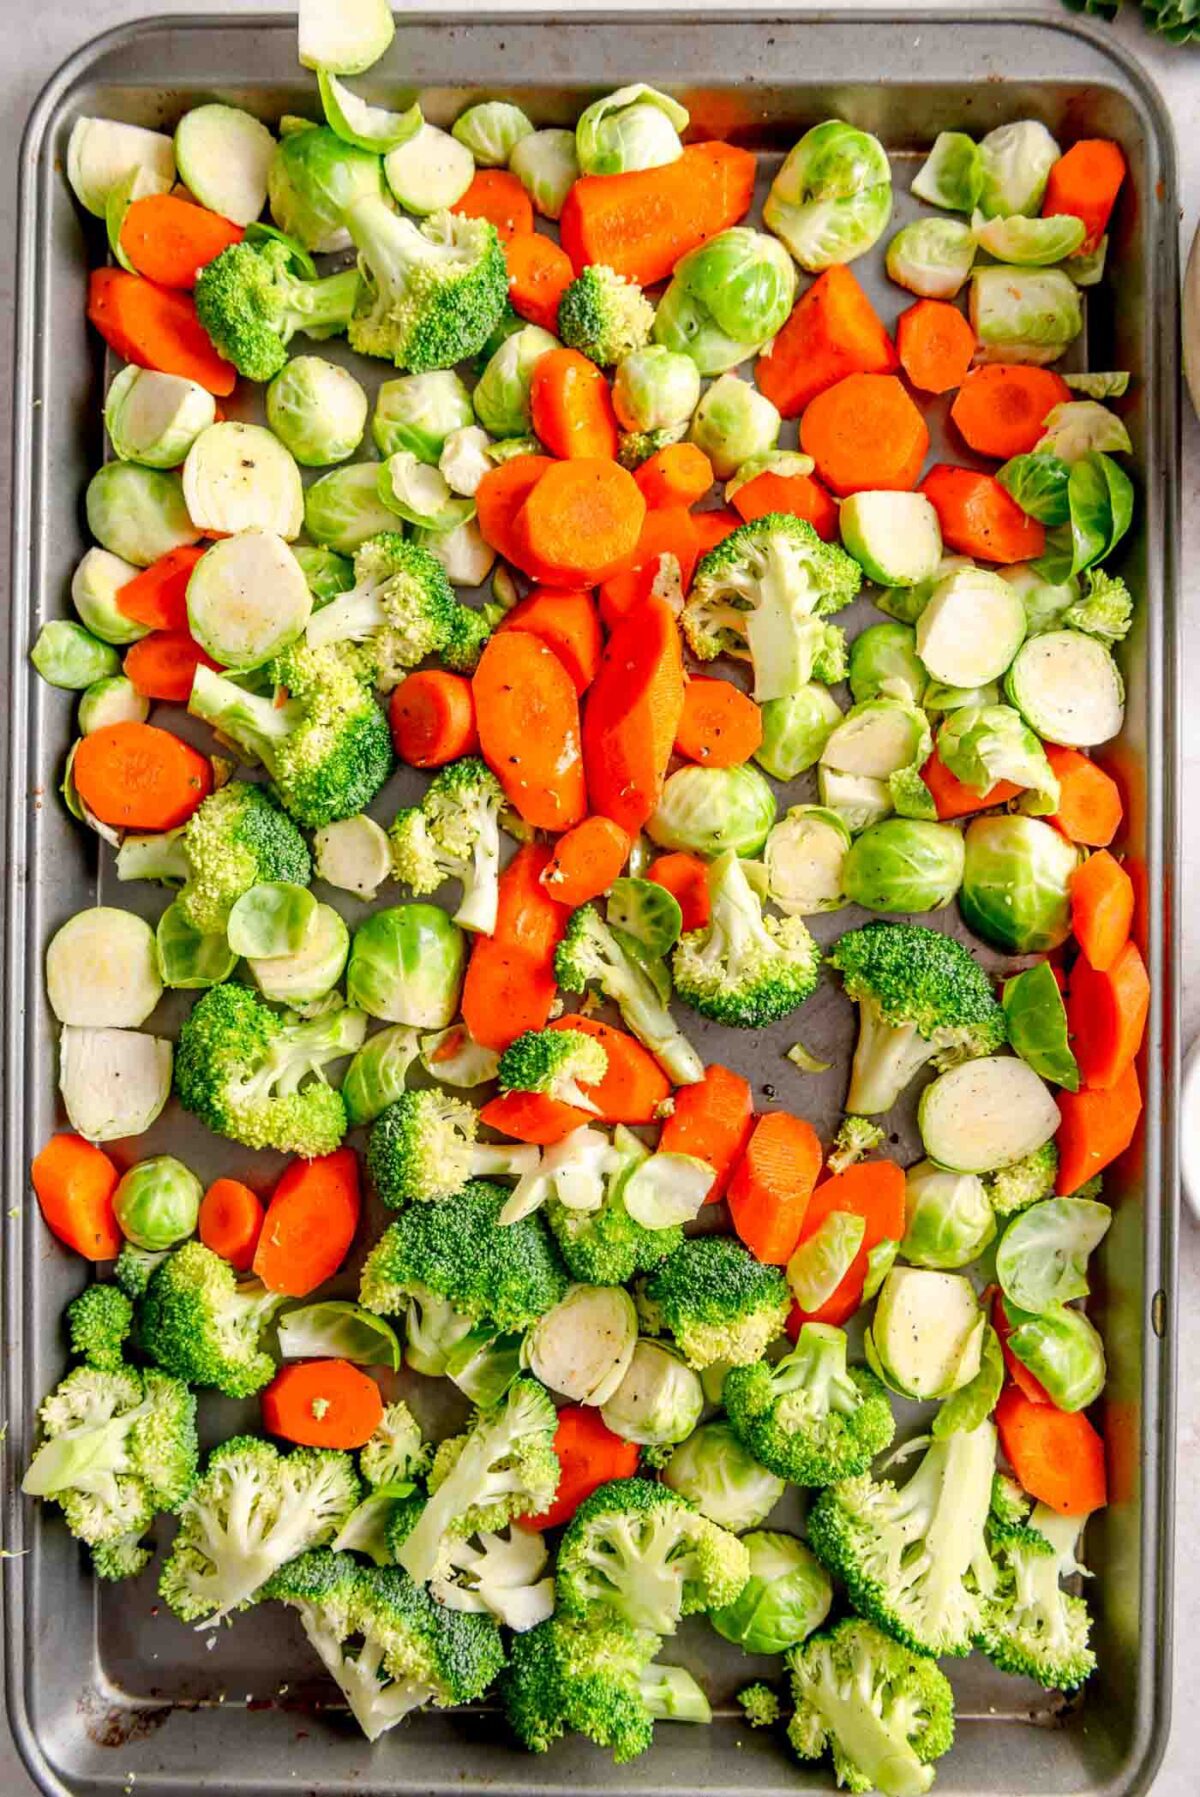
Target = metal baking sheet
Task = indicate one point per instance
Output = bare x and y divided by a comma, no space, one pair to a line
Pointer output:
105,1693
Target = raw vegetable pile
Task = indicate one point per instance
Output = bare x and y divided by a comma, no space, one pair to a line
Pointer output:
640,1283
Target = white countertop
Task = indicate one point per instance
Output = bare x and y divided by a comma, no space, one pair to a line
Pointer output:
38,38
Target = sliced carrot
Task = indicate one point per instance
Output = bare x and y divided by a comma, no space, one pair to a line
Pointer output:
1106,1015
832,332
156,327
75,1181
1056,1455
865,433
571,407
681,474
667,531
1000,410
1101,908
580,523
935,344
685,877
1084,183
501,494
539,273
527,915
163,664
432,715
1089,800
977,517
169,239
719,726
874,1191
567,623
800,494
586,861
322,1404
712,1119
157,595
310,1223
138,777
589,1455
772,1184
533,1117
632,715
510,986
1016,1369
498,196
954,798
1096,1127
527,715
634,1085
712,528
230,1222
640,224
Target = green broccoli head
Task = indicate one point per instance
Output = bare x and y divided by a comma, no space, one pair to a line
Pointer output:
251,303
808,1418
590,954
921,997
466,639
98,1324
1010,1505
199,1324
123,1558
604,316
718,1302
236,839
401,606
430,295
1032,1627
454,834
1026,1182
744,969
1105,611
760,1706
422,1146
396,1452
884,1713
133,1267
557,1062
636,447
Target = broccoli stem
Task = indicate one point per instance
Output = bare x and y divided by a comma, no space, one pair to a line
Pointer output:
376,1707
251,721
671,1694
885,1759
351,617
886,1058
323,305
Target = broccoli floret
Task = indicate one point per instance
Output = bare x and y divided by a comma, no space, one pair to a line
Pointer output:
762,594
1026,1182
237,838
1031,1626
594,1676
401,605
760,1706
503,1466
604,316
636,447
606,1246
133,1267
557,1062
744,969
1010,1506
921,997
123,1558
457,1254
257,1075
809,1418
396,1451
252,1510
884,1713
430,295
466,638
98,1324
647,1554
454,834
856,1137
423,1146
1105,610
718,1301
590,955
252,304
386,1643
198,1323
500,1575
914,1557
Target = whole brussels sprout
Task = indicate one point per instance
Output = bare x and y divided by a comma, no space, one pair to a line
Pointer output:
722,1478
317,410
138,513
932,257
1015,883
655,389
67,655
313,180
635,128
733,422
501,396
157,1203
904,864
491,131
950,1220
547,166
418,412
726,299
1014,163
406,966
832,198
786,1597
95,585
710,809
658,1401
112,700
796,729
155,418
804,857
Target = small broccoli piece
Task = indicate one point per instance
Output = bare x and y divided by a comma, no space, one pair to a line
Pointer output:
500,1575
760,1706
396,1451
590,955
604,316
856,1137
98,1323
465,639
123,1558
423,1147
252,304
606,1246
557,1062
1010,1505
808,1418
1105,610
636,447
401,606
198,1323
1026,1182
430,295
133,1267
236,839
921,997
1031,1626
257,1075
883,1712
454,834
744,968
915,1557
762,596
719,1302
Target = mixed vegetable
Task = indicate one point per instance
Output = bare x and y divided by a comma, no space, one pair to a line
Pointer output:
640,1281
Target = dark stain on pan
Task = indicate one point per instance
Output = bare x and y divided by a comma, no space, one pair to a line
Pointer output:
114,1725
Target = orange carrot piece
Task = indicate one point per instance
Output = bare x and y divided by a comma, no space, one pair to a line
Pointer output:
157,595
509,985
496,195
641,224
833,331
230,1222
75,1181
580,523
686,878
719,726
527,715
138,777
163,664
772,1184
711,528
954,798
432,715
632,715
533,1117
1089,800
1101,908
1106,1016
169,239
570,406
666,531
681,474
322,1404
539,273
156,327
935,344
567,623
589,1455
1096,1127
1016,1369
310,1223
800,494
1000,409
634,1085
501,494
1056,1455
527,915
865,432
712,1119
979,518
1084,183
874,1191
586,861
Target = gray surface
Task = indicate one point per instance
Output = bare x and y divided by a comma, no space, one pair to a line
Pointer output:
41,51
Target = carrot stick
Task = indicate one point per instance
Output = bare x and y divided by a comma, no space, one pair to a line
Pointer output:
1000,410
586,861
580,523
632,715
163,664
719,725
798,494
712,1120
865,432
641,224
510,985
496,195
833,331
432,714
977,517
527,714
1018,1372
539,273
501,494
533,1117
589,1455
1101,908
230,1223
567,623
685,877
666,531
634,1085
322,1404
571,407
680,474
1096,1127
874,1191
712,528
169,239
157,595
772,1184
935,344
1089,800
75,1181
137,777
310,1223
954,798
1056,1455
1084,184
1106,1015
155,327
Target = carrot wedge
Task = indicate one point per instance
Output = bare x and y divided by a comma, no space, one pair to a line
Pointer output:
711,1120
833,331
632,715
1096,1127
640,224
1056,1455
1106,1015
527,716
156,327
1101,908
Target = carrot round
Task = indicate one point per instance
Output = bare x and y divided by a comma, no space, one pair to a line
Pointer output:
501,494
712,1120
1089,800
634,1085
510,985
322,1404
169,239
640,224
157,595
833,331
666,531
978,518
685,877
533,1117
1107,1010
1101,908
163,664
586,861
496,195
432,714
230,1222
571,407
138,777
719,725
1096,1127
954,798
874,1191
935,344
1000,410
310,1223
75,1181
1057,1456
581,522
539,273
800,494
1084,183
680,474
156,327
865,433
632,715
772,1184
527,715
589,1455
567,623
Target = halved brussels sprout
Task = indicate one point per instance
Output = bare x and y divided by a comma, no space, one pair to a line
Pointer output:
111,700
312,970
666,1189
155,418
822,1260
1023,314
1043,1254
546,165
378,1074
343,508
733,422
1062,1350
877,739
501,396
491,130
95,585
1015,162
904,864
353,854
317,410
187,959
858,800
894,537
247,599
637,127
420,494
583,1346
986,1113
113,1082
157,1203
884,664
347,36
949,1217
371,128
67,655
786,1597
101,970
240,477
723,1480
224,155
464,460
138,513
659,1398
429,171
101,153
711,809
276,917
462,551
832,198
927,1332
1029,242
952,174
1069,688
796,729
1016,883
726,299
646,911
419,412
971,628
804,856
932,257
